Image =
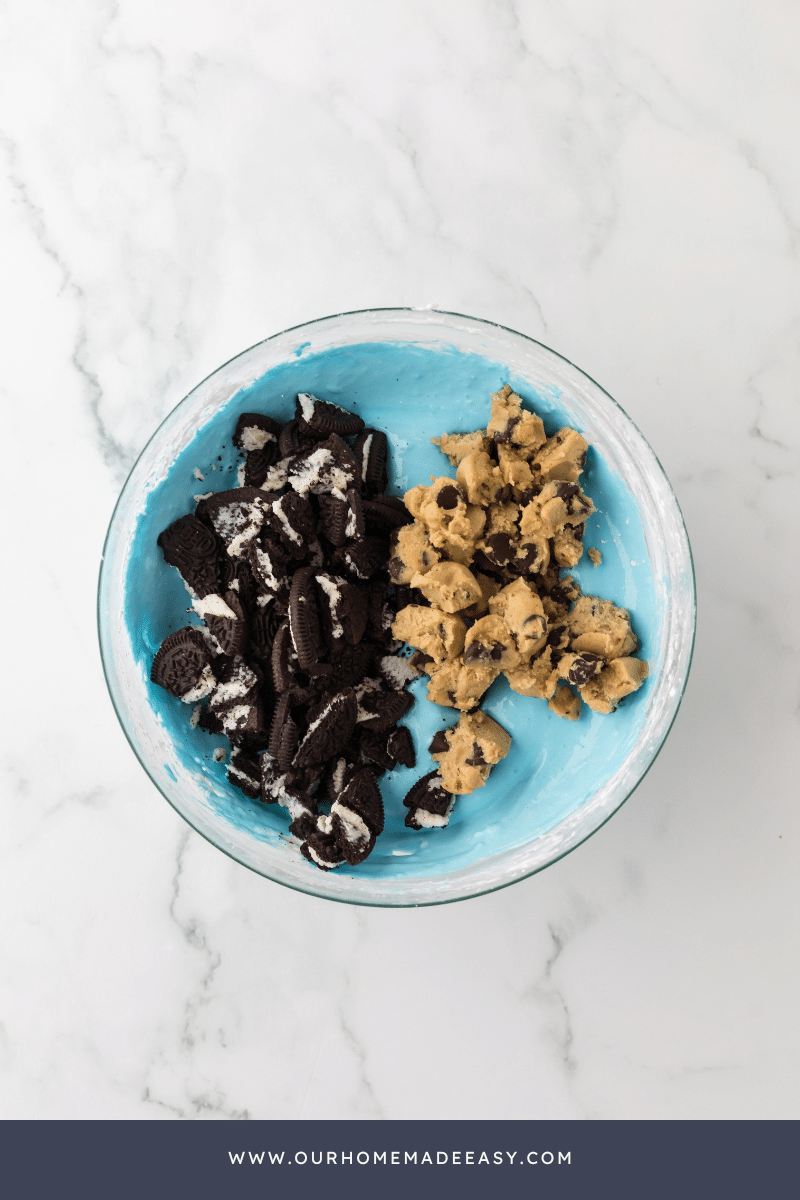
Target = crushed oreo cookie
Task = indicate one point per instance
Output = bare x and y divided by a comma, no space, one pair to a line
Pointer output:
294,661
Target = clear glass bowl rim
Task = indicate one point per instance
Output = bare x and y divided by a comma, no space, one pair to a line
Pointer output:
418,902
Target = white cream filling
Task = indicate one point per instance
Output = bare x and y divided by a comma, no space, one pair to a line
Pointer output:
240,473
234,770
430,820
245,537
243,680
334,595
323,862
337,779
308,472
202,496
263,601
307,403
351,528
253,438
366,685
213,606
264,566
198,474
233,718
219,756
398,671
325,824
231,518
205,684
348,558
292,534
365,457
276,476
355,829
195,717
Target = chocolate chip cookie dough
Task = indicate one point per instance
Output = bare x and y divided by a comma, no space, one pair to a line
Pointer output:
482,564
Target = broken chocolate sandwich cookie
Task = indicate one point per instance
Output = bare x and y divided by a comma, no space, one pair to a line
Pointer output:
294,660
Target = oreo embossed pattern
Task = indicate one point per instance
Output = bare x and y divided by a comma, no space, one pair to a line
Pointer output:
410,375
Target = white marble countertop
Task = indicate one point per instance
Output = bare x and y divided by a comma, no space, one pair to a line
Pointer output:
617,178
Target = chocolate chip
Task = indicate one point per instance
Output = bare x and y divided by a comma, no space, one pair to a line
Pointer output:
500,549
448,497
565,491
396,568
505,435
476,759
474,651
584,667
439,743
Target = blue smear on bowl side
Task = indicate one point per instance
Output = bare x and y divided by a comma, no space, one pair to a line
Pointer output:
413,393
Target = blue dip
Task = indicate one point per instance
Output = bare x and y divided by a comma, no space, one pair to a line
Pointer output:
412,393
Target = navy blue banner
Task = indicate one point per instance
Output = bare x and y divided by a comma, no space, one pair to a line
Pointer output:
387,1159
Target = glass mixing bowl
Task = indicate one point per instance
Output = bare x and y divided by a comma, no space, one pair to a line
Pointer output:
414,373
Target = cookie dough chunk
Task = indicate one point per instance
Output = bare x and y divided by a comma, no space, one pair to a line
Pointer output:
452,525
515,472
458,542
449,586
595,556
513,426
437,633
565,703
480,478
561,457
491,643
521,609
615,681
568,545
436,506
601,628
557,505
539,679
558,597
460,685
473,747
458,445
489,587
412,552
